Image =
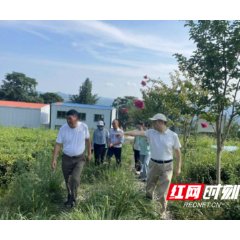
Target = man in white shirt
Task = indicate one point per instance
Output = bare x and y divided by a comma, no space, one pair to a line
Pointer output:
162,142
115,144
73,135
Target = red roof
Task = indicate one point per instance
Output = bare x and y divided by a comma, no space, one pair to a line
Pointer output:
22,104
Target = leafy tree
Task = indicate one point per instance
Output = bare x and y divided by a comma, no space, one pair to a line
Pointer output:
234,133
18,87
49,97
85,95
127,102
215,66
176,101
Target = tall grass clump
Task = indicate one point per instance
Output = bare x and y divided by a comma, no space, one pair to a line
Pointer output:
34,193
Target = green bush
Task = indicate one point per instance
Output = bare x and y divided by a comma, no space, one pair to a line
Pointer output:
21,145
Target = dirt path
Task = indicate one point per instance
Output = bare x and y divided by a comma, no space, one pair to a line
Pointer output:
128,139
142,185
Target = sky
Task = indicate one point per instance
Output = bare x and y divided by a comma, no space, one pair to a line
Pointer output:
114,55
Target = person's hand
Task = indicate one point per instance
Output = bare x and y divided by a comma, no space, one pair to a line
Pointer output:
54,164
111,144
92,150
146,140
88,158
178,171
119,135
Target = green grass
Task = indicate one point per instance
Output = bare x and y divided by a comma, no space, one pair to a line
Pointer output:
30,189
35,191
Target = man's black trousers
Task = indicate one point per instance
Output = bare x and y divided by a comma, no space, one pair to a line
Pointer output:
99,151
137,160
116,152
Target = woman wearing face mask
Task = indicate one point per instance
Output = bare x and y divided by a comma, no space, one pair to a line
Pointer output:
100,139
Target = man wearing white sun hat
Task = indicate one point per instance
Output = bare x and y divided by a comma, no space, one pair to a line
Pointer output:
162,142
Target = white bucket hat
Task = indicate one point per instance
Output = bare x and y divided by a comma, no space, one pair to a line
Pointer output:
159,116
100,123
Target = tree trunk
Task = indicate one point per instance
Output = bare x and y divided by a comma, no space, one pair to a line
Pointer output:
185,139
219,152
184,143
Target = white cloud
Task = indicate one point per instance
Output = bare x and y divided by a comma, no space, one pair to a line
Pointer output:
131,84
109,84
107,34
36,33
74,44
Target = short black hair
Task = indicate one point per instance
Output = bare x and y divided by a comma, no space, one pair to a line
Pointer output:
146,124
139,123
72,112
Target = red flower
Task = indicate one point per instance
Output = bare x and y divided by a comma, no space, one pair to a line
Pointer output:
204,125
143,83
139,104
124,110
145,77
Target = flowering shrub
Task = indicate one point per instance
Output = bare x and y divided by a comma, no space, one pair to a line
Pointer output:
145,76
124,110
204,125
139,104
143,83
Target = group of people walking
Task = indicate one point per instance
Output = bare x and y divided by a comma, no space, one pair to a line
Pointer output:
153,152
103,140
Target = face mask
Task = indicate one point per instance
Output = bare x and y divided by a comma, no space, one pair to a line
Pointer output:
100,128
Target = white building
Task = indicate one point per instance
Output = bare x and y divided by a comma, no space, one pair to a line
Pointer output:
89,114
23,114
209,129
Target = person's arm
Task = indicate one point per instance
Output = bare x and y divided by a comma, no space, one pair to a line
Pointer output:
93,139
107,135
138,144
133,133
116,143
88,144
57,149
178,158
134,142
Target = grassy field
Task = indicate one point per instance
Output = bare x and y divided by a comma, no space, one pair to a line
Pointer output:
30,189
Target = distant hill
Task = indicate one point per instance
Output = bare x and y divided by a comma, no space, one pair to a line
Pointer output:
102,101
105,101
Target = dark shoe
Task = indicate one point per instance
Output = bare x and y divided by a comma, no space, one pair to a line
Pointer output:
69,204
68,201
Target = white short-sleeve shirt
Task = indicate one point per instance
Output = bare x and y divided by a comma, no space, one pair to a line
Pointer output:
113,138
162,145
73,139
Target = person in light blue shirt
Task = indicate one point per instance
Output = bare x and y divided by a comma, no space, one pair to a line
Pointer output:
136,147
145,154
